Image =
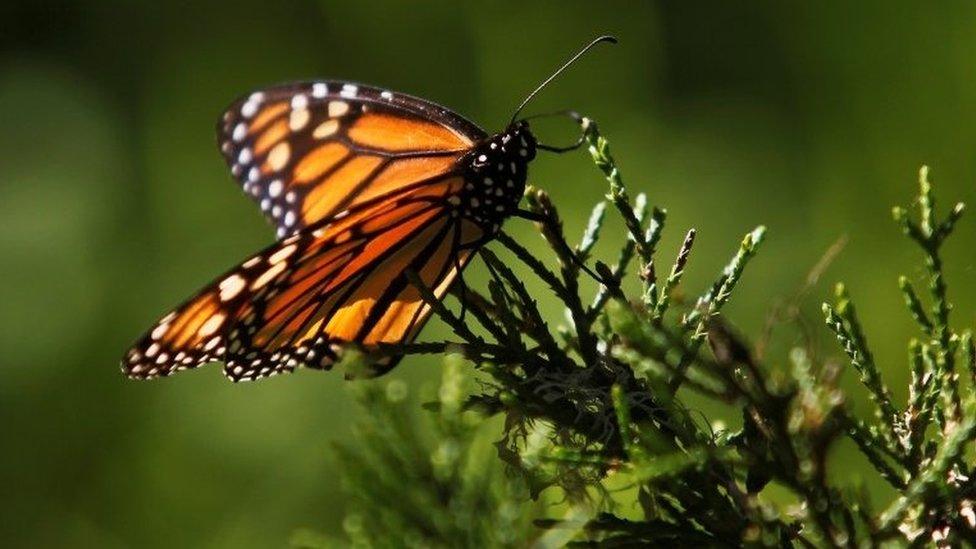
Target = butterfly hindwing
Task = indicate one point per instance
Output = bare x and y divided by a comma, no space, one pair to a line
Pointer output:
301,300
351,286
195,332
307,151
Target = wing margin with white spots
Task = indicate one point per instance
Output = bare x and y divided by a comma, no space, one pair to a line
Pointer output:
282,143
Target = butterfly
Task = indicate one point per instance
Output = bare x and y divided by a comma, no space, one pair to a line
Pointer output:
364,187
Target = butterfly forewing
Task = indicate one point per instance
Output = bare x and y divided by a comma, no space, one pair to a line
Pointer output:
307,151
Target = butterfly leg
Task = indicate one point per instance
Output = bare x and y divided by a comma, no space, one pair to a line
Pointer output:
579,142
498,280
463,298
539,218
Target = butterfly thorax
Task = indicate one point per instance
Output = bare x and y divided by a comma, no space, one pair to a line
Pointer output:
495,176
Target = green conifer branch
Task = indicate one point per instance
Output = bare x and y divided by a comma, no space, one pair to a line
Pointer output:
592,405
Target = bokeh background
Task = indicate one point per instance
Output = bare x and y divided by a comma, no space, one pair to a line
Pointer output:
811,118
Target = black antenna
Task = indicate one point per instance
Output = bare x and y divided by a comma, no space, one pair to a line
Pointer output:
604,38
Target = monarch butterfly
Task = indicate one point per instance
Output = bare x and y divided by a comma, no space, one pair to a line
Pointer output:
363,186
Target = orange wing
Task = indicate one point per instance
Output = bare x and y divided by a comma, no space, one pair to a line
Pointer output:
307,151
359,180
298,302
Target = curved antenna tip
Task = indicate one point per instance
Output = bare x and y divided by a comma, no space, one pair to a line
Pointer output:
604,38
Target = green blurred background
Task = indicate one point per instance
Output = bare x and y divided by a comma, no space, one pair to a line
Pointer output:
811,118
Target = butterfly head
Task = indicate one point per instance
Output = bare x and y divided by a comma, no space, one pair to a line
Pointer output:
520,140
495,177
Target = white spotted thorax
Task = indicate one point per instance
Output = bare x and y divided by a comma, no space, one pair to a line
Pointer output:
495,176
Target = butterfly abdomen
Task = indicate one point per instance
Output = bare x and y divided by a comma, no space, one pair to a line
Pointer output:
495,176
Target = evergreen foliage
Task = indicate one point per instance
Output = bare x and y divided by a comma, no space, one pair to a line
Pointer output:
593,409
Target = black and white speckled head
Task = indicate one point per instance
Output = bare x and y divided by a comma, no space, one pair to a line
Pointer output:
495,175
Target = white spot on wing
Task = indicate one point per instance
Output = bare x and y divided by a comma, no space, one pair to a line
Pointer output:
211,326
248,109
268,275
338,108
279,155
275,188
282,254
325,129
160,330
231,286
297,119
240,131
251,105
